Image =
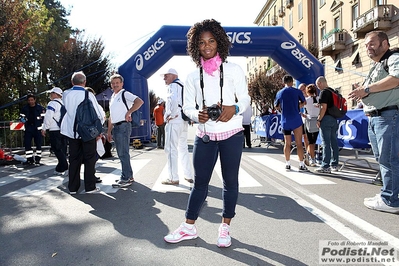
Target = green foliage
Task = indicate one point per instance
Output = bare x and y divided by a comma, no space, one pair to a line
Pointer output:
37,52
263,88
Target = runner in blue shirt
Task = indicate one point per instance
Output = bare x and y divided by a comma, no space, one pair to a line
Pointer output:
289,100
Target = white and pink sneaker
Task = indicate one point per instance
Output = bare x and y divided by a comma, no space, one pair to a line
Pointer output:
182,233
224,239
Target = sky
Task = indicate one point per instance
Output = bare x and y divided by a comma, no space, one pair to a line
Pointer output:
125,25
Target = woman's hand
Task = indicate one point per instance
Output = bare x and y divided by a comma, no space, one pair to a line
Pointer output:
227,113
203,115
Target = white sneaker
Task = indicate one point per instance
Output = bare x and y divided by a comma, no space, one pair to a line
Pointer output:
224,239
379,205
181,233
94,191
378,195
334,168
59,173
312,162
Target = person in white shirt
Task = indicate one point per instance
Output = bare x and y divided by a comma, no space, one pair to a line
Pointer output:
80,152
214,86
311,129
51,120
121,106
175,131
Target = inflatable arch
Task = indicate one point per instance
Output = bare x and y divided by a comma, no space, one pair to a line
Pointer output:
274,42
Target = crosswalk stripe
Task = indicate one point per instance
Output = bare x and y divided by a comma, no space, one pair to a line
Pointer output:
52,182
109,178
25,173
302,178
38,188
244,179
158,186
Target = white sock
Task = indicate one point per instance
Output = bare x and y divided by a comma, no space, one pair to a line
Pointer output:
301,163
287,163
189,226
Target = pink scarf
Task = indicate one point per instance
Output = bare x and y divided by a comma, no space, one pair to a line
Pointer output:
211,65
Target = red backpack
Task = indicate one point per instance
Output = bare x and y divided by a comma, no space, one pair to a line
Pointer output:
340,106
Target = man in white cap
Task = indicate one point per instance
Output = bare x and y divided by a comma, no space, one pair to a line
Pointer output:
51,122
176,131
158,113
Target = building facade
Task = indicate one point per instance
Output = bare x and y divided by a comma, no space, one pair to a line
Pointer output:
337,29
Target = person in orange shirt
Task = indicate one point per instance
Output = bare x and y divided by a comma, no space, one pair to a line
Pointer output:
159,111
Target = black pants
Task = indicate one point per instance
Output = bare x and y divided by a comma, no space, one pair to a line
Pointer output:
86,153
161,136
59,147
36,135
247,135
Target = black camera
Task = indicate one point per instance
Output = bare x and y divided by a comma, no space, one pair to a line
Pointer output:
214,112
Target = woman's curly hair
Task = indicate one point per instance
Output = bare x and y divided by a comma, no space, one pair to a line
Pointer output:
193,37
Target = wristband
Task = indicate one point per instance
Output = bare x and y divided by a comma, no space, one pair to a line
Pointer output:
237,109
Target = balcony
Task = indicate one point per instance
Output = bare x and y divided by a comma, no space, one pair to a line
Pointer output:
333,42
274,20
377,18
281,12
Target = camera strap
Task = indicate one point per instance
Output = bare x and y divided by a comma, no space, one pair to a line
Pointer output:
220,82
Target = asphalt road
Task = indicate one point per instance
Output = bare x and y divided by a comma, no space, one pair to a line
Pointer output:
281,216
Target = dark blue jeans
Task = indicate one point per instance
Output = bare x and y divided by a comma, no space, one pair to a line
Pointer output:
205,156
328,135
383,133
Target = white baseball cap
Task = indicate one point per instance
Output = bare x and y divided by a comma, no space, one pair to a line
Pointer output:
170,71
56,90
160,101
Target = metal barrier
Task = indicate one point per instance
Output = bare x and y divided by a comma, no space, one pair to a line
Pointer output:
12,135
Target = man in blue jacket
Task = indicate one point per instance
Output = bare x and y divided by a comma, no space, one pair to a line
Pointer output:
32,115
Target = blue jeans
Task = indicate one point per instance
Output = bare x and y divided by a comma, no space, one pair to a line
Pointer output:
383,134
121,135
205,156
328,135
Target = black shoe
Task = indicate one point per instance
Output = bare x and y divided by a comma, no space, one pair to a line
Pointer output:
28,163
287,167
98,180
303,168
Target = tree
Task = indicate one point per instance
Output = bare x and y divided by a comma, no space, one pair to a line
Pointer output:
264,86
53,42
22,24
81,54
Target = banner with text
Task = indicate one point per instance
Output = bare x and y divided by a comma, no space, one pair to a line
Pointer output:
352,129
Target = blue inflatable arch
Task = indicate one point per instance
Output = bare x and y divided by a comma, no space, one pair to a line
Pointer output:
274,42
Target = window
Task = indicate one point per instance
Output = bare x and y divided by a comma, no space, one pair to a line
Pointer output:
322,32
380,2
355,13
322,3
300,11
290,22
337,22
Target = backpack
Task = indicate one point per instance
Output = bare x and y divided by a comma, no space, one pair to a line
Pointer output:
339,107
87,124
183,115
385,62
135,115
63,112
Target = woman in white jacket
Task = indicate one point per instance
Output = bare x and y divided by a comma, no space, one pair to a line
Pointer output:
220,91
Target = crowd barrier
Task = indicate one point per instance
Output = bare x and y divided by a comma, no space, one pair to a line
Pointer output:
352,129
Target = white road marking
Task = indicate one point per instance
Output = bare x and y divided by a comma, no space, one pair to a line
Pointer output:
302,178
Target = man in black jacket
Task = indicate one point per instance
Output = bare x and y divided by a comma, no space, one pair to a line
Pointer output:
32,115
